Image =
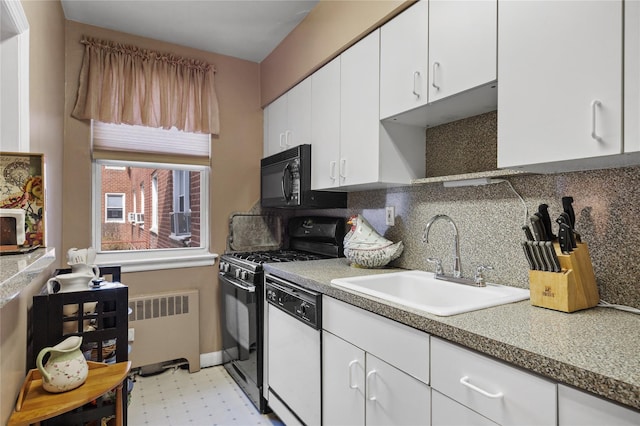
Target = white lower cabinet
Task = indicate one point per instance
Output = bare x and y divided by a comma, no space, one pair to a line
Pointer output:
447,412
580,408
503,394
363,382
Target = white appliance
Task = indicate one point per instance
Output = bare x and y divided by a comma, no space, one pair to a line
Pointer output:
294,352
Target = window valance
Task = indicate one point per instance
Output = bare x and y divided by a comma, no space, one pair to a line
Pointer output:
125,84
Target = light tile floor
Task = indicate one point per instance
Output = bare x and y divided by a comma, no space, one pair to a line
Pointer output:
209,397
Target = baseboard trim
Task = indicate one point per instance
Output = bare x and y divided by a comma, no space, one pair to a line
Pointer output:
210,359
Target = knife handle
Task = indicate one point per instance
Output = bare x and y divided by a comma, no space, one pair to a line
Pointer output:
528,255
537,228
537,256
527,232
551,251
543,209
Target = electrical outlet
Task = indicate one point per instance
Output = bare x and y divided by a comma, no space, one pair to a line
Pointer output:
131,335
391,215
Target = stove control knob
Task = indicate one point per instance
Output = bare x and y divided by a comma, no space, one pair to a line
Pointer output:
224,267
243,275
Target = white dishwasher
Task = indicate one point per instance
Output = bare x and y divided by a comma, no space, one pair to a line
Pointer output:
294,376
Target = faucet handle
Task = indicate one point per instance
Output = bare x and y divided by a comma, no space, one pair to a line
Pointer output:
438,262
479,277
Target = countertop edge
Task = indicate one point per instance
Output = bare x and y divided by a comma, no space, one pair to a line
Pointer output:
19,270
558,371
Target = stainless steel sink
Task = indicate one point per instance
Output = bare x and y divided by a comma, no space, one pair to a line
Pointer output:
420,290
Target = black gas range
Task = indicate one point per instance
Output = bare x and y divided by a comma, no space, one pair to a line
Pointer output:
242,288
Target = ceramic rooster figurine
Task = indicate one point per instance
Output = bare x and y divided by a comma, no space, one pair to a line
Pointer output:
364,247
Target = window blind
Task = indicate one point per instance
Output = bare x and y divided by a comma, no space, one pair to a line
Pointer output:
127,142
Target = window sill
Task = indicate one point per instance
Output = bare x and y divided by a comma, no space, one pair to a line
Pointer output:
150,261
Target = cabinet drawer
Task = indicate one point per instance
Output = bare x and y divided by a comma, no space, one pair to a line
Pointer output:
502,393
446,412
580,408
404,347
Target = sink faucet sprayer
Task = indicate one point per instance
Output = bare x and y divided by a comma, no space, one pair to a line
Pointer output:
457,270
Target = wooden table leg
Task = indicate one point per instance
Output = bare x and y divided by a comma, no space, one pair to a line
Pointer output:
119,414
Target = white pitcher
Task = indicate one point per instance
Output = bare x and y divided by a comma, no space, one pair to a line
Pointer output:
66,368
70,282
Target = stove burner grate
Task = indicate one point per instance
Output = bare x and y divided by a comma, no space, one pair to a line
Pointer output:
275,256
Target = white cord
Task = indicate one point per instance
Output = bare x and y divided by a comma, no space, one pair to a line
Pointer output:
526,209
605,304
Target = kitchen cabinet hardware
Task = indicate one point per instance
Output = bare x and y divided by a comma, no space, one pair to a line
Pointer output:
436,65
594,118
465,382
416,76
370,374
351,365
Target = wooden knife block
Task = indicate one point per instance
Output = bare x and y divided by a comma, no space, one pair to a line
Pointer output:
572,289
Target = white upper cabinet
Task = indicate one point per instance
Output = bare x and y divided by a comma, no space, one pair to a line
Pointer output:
403,64
325,126
359,111
462,46
14,78
288,120
438,62
632,77
372,154
560,77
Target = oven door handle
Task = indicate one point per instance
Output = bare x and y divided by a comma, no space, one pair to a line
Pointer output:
239,284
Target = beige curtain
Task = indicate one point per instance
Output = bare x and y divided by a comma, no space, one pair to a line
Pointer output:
125,84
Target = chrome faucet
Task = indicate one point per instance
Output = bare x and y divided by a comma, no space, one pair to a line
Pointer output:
457,270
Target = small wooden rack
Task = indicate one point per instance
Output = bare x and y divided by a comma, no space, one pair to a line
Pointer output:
572,289
35,404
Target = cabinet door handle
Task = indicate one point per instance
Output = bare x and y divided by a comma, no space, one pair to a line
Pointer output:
351,364
343,168
594,109
416,75
287,137
436,65
283,143
465,381
332,170
369,376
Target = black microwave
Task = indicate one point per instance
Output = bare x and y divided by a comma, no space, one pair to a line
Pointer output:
285,181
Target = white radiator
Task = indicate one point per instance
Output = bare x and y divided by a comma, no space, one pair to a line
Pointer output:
166,326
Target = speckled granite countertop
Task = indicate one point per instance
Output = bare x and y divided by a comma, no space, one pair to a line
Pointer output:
597,350
17,271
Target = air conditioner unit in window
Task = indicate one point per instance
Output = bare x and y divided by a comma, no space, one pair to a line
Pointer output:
131,217
139,217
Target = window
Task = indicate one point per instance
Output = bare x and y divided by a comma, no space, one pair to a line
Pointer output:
114,208
178,235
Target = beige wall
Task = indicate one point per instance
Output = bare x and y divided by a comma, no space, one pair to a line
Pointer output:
235,178
327,30
46,104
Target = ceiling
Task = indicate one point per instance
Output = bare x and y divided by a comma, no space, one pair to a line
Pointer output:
246,29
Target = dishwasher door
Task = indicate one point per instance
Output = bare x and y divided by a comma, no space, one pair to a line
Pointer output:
294,366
